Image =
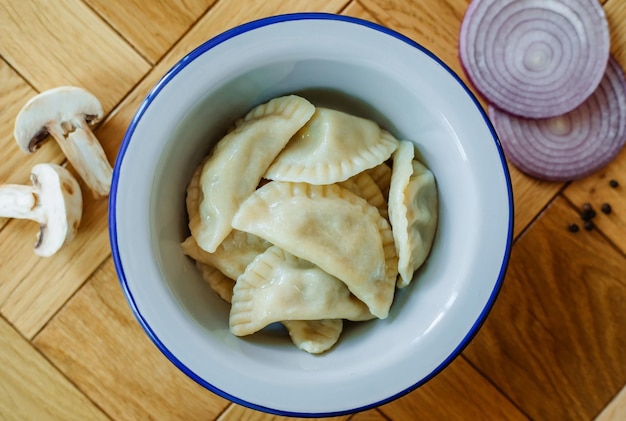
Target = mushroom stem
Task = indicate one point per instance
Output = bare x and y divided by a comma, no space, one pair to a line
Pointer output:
20,202
82,149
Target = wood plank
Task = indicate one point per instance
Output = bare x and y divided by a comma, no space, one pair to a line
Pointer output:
38,287
15,165
431,23
223,16
595,188
616,14
616,409
241,413
77,46
554,341
371,415
96,341
435,24
458,392
151,27
530,197
32,389
596,191
26,298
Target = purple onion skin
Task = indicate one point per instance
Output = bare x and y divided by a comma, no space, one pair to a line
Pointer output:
535,59
573,145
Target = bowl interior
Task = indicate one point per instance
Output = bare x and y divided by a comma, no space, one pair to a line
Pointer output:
358,68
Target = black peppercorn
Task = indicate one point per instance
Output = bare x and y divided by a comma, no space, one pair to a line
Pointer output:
613,183
587,213
589,226
606,208
573,227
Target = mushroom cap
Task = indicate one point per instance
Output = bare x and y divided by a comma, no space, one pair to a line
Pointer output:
54,106
60,201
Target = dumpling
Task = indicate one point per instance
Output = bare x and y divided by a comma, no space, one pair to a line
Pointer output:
220,283
192,200
332,228
381,174
364,186
314,336
278,286
332,147
412,211
232,256
238,161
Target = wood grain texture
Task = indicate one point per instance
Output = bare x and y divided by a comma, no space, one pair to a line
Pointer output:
552,348
435,24
596,191
530,197
240,413
166,22
38,286
24,299
371,415
616,409
459,392
221,17
96,341
15,165
63,35
32,389
554,341
68,44
616,14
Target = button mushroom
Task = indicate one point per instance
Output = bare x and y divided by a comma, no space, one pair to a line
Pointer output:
54,200
65,113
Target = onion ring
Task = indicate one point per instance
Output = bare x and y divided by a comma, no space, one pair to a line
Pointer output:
535,58
573,145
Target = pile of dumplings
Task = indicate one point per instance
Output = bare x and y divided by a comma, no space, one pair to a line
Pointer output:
297,218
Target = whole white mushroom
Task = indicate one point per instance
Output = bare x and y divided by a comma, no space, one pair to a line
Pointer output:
65,113
54,201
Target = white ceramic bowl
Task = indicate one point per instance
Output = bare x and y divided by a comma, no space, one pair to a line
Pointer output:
361,68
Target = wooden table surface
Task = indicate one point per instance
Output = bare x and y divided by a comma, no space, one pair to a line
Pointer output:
553,347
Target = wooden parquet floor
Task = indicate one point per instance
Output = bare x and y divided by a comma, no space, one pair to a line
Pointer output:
553,347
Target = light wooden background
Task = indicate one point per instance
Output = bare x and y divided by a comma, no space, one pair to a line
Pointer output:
553,348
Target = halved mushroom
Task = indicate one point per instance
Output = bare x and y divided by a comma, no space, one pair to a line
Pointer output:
54,200
65,113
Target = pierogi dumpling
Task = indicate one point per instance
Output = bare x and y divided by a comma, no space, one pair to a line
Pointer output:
363,185
234,253
381,174
412,211
221,284
192,199
278,286
297,218
238,161
331,227
232,256
332,147
314,336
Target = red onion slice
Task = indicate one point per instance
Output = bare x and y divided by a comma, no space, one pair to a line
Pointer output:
573,145
535,58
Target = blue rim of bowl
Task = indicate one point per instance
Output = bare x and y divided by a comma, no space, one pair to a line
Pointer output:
231,33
